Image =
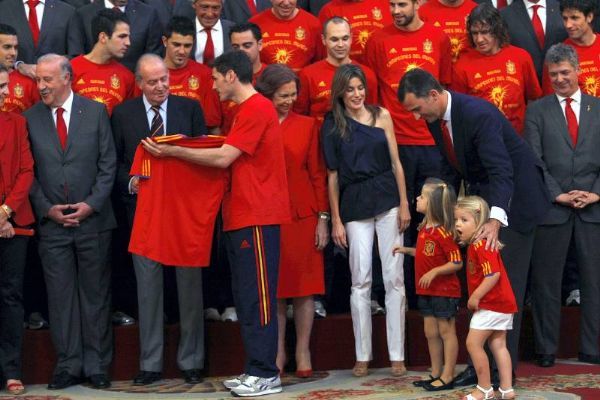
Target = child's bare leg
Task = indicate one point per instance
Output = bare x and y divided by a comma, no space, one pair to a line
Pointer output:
434,343
497,344
447,329
475,341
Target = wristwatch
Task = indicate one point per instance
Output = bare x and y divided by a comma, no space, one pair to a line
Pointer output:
324,215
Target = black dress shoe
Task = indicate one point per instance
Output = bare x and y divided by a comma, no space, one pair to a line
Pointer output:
545,360
422,382
466,378
444,386
99,381
588,358
192,376
63,380
146,378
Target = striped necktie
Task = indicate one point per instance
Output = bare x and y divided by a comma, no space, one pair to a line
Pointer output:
157,127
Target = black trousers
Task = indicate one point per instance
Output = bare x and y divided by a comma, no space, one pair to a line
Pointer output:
13,255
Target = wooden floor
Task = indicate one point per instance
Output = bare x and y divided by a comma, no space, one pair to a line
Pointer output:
332,346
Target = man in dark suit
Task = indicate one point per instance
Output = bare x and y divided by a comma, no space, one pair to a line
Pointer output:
519,18
207,17
56,30
495,163
564,131
144,26
75,167
158,113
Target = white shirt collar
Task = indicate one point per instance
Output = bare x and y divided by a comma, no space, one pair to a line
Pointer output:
67,105
26,5
576,97
148,106
529,4
108,4
448,113
216,27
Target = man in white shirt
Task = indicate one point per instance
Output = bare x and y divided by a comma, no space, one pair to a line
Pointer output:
212,32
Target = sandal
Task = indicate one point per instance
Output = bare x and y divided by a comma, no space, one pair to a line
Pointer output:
505,393
422,382
488,394
15,387
398,368
361,368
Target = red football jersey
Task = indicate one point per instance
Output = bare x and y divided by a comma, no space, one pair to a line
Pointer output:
22,93
436,247
295,42
194,81
229,108
481,263
364,16
258,193
314,98
109,84
506,79
453,21
392,52
589,65
169,226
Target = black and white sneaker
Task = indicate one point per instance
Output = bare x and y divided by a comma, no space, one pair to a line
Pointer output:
234,382
252,386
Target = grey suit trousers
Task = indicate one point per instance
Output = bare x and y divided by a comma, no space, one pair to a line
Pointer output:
549,255
190,353
77,278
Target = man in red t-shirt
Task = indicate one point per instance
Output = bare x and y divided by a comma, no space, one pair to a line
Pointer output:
500,73
246,37
578,16
22,90
451,16
290,35
364,17
314,98
255,205
188,78
97,75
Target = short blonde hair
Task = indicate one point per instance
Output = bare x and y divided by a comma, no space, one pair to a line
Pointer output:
477,207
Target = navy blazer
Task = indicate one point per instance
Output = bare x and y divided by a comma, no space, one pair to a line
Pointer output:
130,126
495,162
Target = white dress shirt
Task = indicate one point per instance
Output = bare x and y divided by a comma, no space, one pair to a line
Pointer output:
495,212
39,10
575,104
162,110
216,33
67,107
495,3
541,12
108,4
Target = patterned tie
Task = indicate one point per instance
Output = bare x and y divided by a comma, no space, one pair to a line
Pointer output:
538,29
209,49
572,124
61,127
449,146
158,127
33,21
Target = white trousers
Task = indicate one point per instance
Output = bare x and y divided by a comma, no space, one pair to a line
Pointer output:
360,235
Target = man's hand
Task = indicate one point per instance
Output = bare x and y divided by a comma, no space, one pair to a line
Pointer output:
582,199
565,199
321,234
489,232
27,70
82,211
135,184
158,150
57,214
6,230
403,217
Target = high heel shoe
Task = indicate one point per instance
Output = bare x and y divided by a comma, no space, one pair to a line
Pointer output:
488,394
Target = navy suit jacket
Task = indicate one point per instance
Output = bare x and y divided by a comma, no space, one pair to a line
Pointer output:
495,162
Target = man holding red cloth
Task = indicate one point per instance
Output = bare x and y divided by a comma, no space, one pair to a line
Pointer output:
256,203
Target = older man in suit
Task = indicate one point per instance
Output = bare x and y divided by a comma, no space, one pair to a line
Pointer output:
482,148
144,25
564,131
75,167
42,27
534,25
158,113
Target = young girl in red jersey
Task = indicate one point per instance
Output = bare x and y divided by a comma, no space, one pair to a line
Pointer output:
490,298
437,258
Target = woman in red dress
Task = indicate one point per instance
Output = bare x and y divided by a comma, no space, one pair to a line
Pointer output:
302,241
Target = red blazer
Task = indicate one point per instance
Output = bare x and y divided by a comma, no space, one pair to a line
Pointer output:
16,167
306,173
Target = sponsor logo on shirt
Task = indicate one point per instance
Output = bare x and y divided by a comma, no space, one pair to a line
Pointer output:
244,244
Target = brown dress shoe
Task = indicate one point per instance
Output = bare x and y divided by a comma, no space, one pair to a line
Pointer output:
361,368
398,368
